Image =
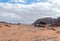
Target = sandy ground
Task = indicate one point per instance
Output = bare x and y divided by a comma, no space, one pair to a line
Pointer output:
11,32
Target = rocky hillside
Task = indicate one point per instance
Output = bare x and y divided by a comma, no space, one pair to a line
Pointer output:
52,21
57,23
46,20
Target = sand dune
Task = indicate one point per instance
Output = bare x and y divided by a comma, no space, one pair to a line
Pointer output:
14,32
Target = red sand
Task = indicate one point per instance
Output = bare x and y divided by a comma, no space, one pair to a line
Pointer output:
12,32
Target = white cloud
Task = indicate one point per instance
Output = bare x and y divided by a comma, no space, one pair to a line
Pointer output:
56,5
9,17
18,0
29,13
55,1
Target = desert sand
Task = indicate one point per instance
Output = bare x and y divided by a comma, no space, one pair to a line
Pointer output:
24,32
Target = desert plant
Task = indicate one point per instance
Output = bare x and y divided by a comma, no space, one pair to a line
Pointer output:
7,25
0,26
9,40
18,23
58,32
51,28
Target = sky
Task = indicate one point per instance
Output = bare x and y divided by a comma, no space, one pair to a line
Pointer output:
28,11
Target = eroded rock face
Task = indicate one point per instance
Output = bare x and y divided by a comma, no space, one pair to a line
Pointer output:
46,20
53,21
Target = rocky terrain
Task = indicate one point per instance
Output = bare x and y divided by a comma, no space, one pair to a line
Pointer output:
23,32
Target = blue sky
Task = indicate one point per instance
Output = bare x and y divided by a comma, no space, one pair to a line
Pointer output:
26,2
27,11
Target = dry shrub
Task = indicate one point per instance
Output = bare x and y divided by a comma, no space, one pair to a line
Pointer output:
0,26
7,25
44,38
16,40
18,24
9,40
58,32
52,28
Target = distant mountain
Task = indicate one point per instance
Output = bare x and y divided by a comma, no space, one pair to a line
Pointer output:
46,20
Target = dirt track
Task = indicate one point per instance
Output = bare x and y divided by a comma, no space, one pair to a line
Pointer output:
10,32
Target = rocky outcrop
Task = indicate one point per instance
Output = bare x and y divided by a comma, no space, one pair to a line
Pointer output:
46,20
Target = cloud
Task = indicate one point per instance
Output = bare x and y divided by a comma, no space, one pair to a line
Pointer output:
29,13
54,1
9,17
18,0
